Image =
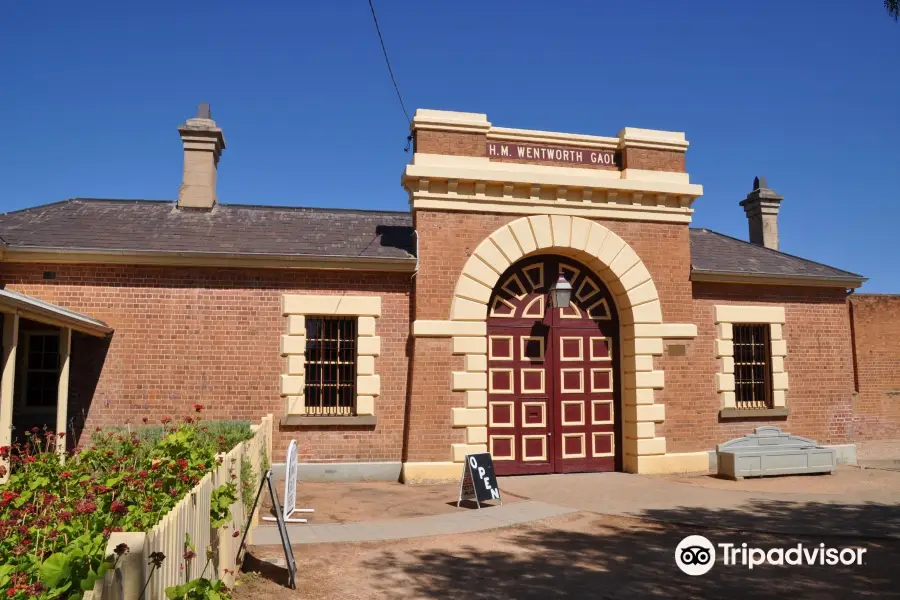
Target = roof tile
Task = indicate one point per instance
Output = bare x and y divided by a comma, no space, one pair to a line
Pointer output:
717,253
90,224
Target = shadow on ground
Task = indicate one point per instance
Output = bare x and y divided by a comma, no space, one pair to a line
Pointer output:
867,520
267,570
618,557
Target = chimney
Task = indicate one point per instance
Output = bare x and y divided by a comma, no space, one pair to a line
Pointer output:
761,206
203,144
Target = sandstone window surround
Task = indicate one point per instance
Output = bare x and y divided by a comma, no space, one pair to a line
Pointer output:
296,307
726,316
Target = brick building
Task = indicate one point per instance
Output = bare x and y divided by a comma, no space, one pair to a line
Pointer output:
544,298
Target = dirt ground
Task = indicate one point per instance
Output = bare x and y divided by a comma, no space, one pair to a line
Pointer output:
846,480
371,501
583,555
878,450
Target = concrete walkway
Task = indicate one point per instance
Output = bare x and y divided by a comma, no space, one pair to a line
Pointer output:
394,529
871,514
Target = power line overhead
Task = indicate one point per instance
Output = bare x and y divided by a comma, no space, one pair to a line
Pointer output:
388,61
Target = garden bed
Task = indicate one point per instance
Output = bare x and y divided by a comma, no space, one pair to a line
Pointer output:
56,517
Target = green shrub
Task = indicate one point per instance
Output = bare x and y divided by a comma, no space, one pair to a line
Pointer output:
55,518
223,435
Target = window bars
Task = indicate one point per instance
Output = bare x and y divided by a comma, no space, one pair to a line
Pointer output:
330,383
752,367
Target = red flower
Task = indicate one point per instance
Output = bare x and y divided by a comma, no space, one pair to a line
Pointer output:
201,466
188,420
145,420
166,420
198,407
4,450
65,515
142,473
182,463
236,533
61,434
118,507
65,475
85,507
189,555
156,559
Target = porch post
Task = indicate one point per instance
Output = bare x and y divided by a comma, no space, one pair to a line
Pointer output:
62,394
7,383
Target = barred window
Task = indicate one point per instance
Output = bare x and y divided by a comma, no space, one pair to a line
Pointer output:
330,384
752,367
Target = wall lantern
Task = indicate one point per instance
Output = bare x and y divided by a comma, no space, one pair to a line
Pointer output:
561,292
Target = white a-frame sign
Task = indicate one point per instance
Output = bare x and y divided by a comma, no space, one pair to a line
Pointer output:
290,488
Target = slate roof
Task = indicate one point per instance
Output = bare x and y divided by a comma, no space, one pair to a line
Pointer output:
713,252
147,225
129,225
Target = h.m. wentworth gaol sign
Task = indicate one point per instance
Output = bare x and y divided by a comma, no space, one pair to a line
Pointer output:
579,156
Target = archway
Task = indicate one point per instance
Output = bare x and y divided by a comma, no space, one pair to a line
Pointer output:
553,374
629,282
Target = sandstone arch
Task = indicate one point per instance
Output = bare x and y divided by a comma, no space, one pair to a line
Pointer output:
637,302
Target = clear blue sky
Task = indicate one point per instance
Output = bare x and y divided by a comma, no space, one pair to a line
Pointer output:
803,92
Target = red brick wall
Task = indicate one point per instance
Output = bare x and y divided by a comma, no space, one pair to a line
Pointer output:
876,335
212,336
653,160
818,363
446,241
454,143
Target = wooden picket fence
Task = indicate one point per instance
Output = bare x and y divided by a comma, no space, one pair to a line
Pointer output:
191,517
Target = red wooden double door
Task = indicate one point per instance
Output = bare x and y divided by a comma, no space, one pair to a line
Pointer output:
553,384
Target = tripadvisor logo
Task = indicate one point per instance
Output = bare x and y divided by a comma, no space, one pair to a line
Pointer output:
696,555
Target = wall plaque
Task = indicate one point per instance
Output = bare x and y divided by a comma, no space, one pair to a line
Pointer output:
577,156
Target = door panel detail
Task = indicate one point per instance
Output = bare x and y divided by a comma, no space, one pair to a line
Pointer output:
553,383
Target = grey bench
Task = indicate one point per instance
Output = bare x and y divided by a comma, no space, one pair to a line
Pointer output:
769,451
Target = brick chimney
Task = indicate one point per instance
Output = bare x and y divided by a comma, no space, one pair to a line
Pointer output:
203,144
762,206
